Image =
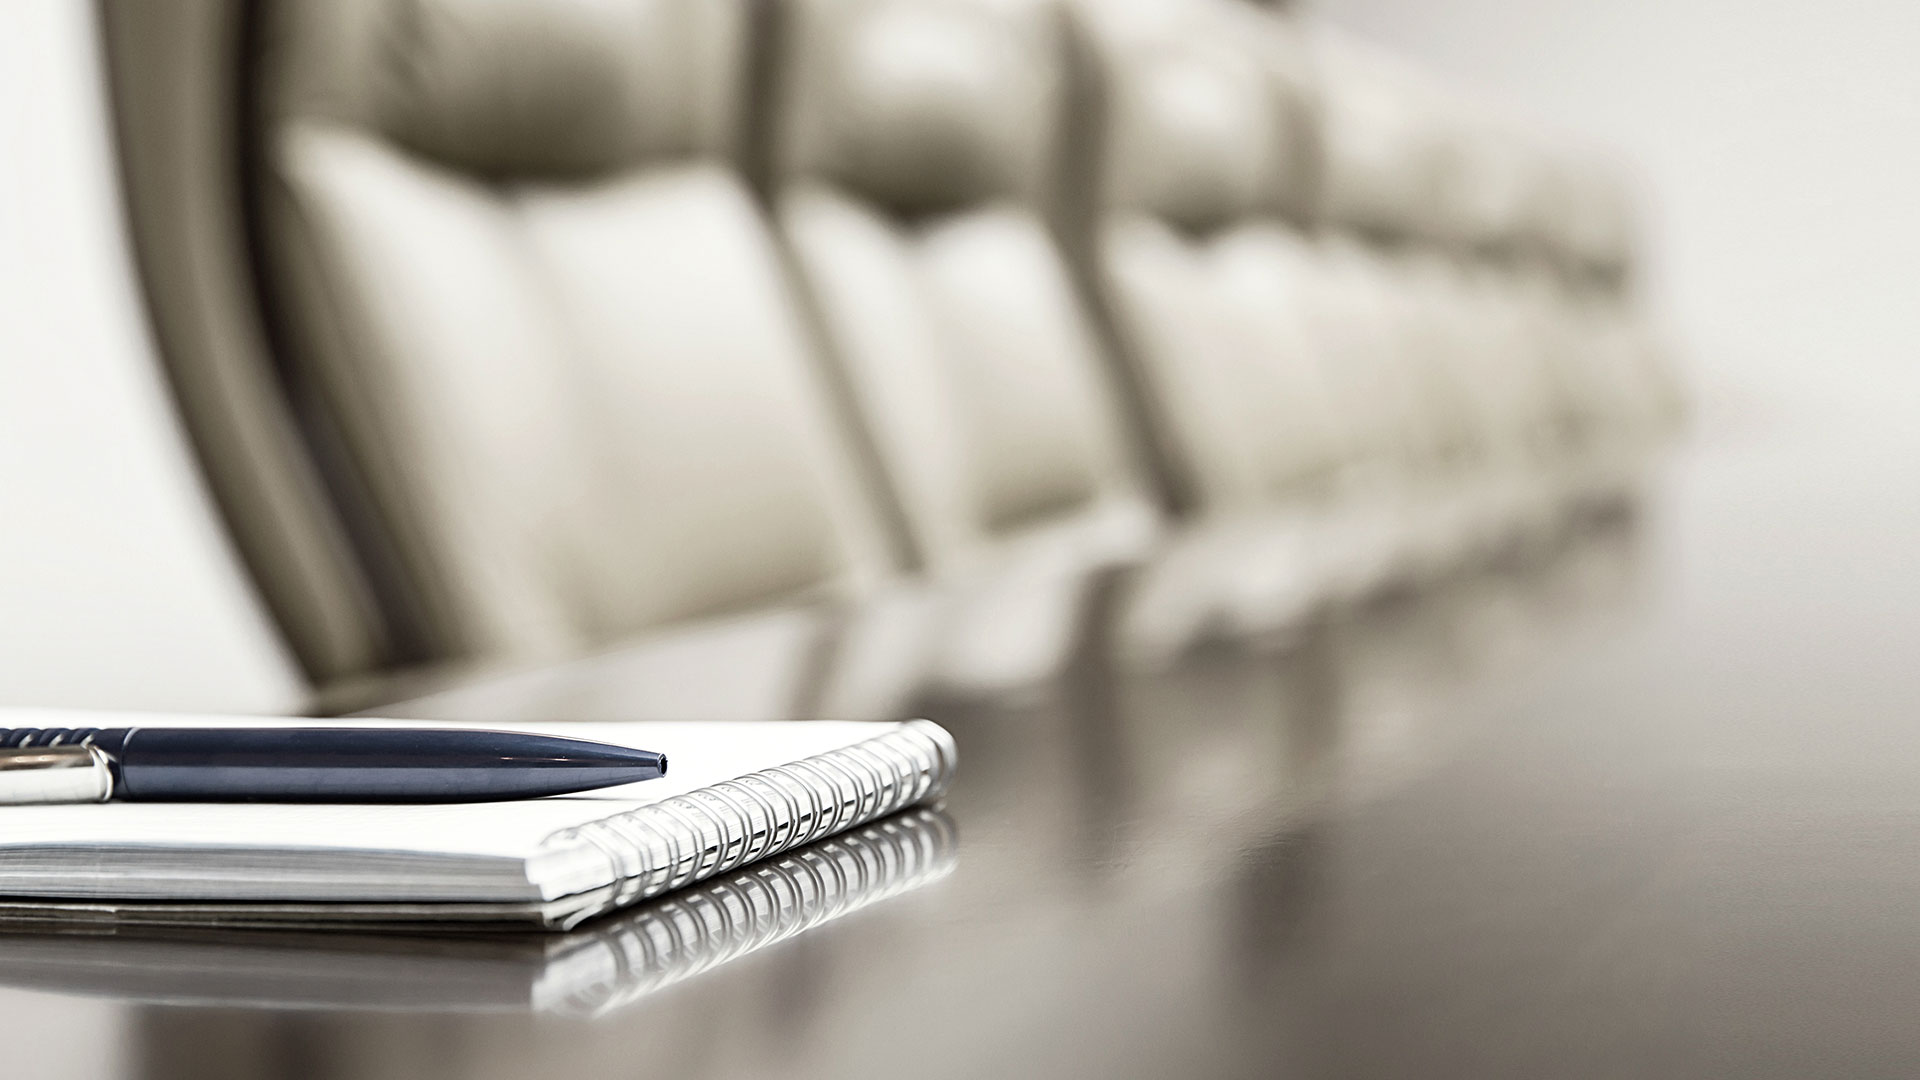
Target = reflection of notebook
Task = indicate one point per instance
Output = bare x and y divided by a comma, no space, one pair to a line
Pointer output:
586,972
738,792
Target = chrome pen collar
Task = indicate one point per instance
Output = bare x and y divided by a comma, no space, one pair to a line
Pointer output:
55,774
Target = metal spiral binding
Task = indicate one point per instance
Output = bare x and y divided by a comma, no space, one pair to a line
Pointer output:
682,936
687,838
23,738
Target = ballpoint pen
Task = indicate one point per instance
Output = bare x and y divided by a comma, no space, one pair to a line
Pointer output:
335,765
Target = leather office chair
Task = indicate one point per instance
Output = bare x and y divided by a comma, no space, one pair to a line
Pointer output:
912,142
514,255
1471,272
1485,254
1591,239
1397,211
1257,350
1546,272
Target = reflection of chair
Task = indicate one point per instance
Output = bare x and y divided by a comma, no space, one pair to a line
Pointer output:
912,140
546,318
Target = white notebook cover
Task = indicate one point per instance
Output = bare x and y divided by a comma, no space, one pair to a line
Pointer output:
737,792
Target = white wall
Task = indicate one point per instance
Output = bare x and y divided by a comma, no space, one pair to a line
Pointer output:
117,588
1780,141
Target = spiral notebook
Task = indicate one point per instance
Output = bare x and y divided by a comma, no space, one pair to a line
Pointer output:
588,972
738,792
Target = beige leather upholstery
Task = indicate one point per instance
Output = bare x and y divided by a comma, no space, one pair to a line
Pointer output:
1191,151
914,137
548,315
1290,357
1547,252
1582,227
1264,342
1455,256
913,140
1196,255
1383,141
1303,366
567,388
920,107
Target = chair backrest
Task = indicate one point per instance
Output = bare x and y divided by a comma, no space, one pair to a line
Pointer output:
1202,252
1503,209
912,142
171,74
1412,223
1383,140
511,249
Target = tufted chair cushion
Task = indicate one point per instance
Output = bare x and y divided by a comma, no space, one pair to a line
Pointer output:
1385,145
1595,233
914,137
1214,293
1189,138
918,106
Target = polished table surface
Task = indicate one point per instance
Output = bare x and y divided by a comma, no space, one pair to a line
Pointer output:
1649,807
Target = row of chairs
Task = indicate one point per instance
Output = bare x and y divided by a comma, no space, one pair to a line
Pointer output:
910,319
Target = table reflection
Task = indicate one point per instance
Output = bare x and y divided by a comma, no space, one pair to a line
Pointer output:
593,971
1153,872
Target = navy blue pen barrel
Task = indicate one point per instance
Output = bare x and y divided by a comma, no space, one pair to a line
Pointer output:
367,765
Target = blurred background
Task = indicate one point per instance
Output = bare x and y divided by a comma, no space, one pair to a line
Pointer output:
235,481
1404,506
1779,238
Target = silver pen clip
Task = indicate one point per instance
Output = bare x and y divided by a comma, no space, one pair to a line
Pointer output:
54,774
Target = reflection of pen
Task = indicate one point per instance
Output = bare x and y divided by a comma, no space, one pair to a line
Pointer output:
339,765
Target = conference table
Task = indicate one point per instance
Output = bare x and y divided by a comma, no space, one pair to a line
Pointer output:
1646,804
